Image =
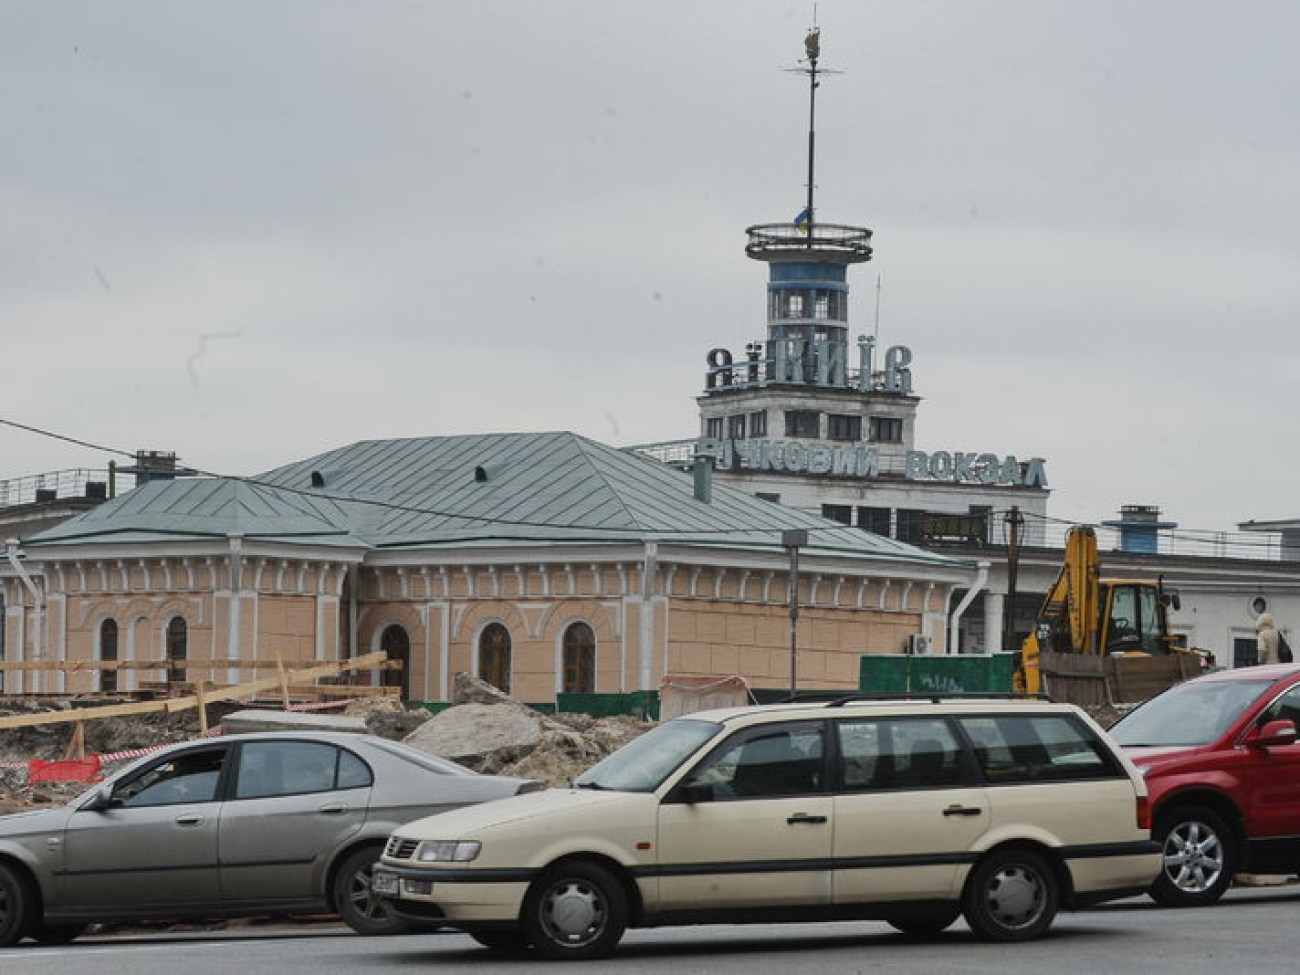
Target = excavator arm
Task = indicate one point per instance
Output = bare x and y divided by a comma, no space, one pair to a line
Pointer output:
1067,619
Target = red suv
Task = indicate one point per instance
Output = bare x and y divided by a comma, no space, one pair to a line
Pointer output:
1222,768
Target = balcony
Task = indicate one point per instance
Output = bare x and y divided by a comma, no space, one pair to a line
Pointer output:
824,241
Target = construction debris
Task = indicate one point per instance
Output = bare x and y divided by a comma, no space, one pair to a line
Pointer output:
488,732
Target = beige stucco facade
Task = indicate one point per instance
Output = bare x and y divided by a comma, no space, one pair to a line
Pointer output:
651,614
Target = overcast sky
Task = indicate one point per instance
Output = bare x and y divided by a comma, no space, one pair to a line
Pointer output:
253,230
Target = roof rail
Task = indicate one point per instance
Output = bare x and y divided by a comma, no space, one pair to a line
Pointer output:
934,697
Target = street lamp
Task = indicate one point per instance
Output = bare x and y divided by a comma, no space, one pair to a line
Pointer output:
792,538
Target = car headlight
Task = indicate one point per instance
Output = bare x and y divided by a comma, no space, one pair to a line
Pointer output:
447,851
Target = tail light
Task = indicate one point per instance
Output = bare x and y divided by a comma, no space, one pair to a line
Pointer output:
1144,812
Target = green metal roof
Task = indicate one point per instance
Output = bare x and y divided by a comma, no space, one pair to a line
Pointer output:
474,490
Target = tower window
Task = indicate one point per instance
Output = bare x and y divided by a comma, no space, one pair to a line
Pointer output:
909,525
802,423
736,427
840,426
886,429
793,305
713,427
843,513
758,424
877,520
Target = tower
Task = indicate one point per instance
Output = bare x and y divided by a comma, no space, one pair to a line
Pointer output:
808,398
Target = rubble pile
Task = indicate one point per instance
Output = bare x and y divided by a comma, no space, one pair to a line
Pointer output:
484,730
487,731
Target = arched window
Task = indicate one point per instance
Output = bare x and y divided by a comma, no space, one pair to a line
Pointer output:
494,656
177,648
396,645
579,659
108,652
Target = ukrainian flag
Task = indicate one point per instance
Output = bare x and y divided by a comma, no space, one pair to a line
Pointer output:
804,220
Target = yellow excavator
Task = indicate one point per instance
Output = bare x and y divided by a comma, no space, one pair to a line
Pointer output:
1086,614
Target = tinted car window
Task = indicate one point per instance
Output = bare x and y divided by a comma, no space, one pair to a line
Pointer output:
282,768
899,753
191,777
353,772
1036,748
776,761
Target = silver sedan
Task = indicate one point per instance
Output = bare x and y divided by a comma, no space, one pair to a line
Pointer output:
239,826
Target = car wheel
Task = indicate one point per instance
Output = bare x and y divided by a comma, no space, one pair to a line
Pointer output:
575,910
1011,895
15,907
924,922
361,909
500,939
57,934
1198,858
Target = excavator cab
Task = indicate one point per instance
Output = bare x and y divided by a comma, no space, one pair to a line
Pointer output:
1133,619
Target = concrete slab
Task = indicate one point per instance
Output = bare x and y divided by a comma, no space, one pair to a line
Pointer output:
253,719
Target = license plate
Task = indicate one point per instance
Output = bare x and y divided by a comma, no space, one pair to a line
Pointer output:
383,883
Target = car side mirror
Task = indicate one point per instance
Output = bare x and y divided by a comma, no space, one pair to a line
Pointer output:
1273,734
693,792
101,799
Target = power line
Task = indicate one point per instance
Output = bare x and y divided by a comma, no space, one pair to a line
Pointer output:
1186,535
388,505
66,439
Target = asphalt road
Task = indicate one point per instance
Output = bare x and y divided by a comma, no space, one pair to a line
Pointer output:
1252,930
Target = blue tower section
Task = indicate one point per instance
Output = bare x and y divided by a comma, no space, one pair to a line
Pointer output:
808,298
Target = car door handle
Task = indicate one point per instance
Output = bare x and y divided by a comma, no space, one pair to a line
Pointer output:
805,818
190,819
333,808
962,811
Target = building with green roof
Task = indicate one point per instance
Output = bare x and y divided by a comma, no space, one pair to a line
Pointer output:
542,562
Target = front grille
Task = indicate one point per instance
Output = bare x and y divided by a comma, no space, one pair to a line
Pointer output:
400,849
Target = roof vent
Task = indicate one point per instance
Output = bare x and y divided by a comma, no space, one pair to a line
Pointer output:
317,479
702,471
480,474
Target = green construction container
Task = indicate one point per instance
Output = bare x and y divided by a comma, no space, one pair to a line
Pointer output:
896,673
637,704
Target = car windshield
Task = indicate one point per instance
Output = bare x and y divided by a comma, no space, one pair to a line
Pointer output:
1194,713
644,762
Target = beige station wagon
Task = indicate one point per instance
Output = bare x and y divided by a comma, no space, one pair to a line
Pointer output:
911,811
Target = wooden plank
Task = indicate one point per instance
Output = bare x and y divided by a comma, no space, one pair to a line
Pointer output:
370,661
189,663
344,690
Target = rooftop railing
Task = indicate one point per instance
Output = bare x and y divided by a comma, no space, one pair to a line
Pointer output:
850,243
50,486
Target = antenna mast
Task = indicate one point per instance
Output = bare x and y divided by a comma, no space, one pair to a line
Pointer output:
813,48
